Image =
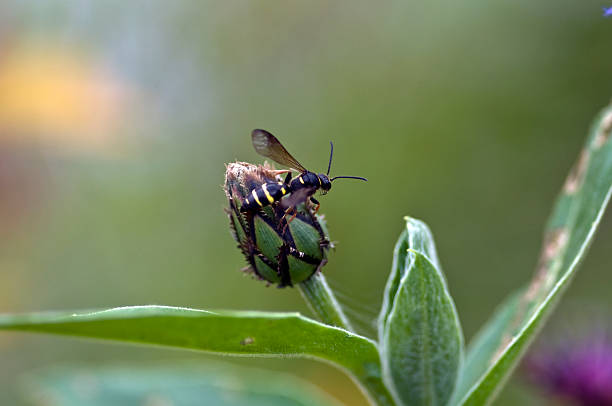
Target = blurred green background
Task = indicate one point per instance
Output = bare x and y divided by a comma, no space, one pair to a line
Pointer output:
116,119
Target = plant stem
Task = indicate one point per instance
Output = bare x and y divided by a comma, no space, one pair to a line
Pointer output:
322,301
377,393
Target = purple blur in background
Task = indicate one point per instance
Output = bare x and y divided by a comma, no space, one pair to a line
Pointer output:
576,371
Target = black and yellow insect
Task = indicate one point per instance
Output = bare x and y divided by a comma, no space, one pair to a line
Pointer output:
278,250
300,188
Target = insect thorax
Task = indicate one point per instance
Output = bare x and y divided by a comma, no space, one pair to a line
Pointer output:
306,179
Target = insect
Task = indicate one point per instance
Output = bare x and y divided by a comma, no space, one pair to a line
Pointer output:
301,188
278,250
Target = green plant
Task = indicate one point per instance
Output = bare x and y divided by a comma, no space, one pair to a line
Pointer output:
418,356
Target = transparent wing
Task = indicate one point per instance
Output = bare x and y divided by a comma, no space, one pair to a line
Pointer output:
267,145
297,197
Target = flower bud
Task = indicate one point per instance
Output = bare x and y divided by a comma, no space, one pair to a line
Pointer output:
279,248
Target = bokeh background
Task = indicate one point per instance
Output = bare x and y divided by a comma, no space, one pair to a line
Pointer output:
116,119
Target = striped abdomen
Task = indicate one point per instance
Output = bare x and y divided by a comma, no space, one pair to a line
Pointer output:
264,195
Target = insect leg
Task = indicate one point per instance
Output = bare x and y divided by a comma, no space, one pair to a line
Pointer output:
289,210
315,201
292,217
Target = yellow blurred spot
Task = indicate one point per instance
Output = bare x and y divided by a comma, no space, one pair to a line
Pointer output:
157,400
58,95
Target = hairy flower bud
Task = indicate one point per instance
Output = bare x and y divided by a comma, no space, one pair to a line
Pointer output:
279,247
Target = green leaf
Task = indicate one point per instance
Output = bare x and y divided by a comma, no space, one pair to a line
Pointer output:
415,236
422,344
484,347
567,237
245,333
184,383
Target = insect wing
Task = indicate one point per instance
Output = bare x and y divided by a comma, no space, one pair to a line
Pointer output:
267,145
297,197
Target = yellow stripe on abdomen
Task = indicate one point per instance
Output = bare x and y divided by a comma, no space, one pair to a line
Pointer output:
268,196
254,193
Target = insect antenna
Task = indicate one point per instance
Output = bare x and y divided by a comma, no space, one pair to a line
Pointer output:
347,177
331,154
